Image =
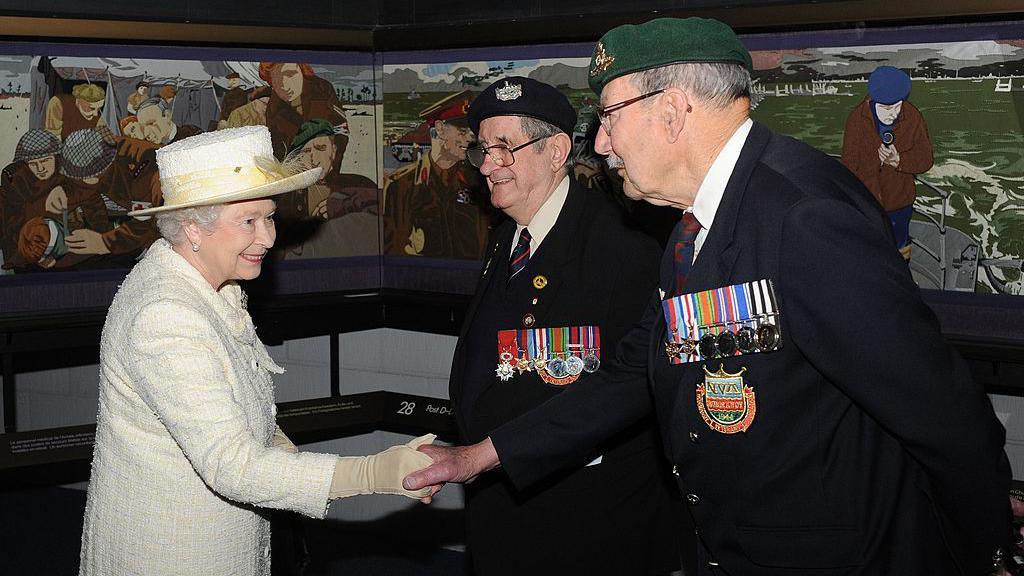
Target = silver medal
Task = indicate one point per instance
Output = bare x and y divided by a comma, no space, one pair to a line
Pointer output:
574,364
557,368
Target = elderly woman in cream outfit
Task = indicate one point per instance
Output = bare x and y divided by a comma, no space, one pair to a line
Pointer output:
187,450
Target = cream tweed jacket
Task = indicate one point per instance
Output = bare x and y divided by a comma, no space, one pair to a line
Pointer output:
183,462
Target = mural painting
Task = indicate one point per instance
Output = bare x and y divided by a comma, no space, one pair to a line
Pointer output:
81,135
957,192
933,129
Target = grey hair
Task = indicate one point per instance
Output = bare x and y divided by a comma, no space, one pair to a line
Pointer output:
172,223
537,128
716,83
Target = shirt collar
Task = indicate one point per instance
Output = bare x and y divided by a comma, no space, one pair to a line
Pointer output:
544,220
709,196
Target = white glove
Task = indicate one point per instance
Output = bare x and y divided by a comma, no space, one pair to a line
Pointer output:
381,473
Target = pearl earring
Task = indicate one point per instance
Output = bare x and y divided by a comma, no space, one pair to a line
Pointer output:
195,247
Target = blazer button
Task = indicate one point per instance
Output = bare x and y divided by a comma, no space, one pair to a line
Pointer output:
694,437
254,364
675,471
693,499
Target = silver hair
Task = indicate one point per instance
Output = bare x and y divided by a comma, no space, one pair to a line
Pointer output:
537,128
172,223
716,83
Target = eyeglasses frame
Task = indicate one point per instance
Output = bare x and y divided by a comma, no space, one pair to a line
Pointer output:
511,151
602,114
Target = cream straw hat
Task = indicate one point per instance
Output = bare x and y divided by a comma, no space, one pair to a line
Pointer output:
224,166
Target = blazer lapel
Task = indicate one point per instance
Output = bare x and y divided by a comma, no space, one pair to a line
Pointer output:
501,245
557,251
714,263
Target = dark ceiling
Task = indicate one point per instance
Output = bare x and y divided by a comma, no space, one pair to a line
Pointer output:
425,24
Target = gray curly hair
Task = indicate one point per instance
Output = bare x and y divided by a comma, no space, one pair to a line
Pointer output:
172,223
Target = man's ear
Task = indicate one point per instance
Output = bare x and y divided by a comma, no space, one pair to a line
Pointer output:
560,147
675,106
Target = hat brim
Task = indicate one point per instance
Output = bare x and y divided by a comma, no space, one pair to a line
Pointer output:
294,182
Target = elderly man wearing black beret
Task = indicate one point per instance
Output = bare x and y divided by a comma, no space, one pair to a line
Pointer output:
816,420
563,282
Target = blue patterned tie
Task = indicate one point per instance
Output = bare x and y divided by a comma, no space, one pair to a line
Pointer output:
520,254
684,236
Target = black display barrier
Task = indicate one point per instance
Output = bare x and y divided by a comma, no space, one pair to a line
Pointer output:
61,455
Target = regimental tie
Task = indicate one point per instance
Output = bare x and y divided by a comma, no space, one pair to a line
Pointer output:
684,236
520,254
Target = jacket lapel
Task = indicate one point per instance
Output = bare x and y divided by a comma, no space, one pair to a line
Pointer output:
502,244
714,263
556,252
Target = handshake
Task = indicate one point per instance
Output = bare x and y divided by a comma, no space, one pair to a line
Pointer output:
417,469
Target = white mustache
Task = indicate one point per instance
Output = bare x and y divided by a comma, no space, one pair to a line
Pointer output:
614,162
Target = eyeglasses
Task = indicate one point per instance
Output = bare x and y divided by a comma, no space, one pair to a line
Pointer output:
501,154
603,113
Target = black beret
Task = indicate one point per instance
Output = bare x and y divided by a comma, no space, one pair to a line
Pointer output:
520,96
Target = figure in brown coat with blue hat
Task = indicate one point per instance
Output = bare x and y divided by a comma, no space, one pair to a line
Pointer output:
886,144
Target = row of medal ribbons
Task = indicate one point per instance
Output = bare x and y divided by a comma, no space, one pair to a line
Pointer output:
722,322
557,353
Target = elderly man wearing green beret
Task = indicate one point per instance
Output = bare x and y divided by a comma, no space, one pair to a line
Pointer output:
816,420
80,110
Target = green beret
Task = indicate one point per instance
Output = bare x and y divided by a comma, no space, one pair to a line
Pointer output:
309,130
660,42
88,92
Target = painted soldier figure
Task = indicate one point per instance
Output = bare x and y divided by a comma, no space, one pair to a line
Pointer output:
30,187
435,206
105,186
342,208
235,97
67,113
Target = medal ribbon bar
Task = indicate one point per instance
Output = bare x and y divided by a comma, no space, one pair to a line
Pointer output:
689,318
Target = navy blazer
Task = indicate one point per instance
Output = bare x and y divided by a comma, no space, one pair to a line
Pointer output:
872,451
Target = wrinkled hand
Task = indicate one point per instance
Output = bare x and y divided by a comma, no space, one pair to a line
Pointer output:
85,241
56,200
453,464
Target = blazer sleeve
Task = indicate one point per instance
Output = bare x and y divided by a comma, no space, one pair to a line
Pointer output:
564,431
182,371
870,335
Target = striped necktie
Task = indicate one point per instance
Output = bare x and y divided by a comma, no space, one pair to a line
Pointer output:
684,236
520,254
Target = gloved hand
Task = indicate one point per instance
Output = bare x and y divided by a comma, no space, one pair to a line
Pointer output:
381,473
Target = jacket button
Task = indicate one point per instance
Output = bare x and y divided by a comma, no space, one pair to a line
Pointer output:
693,499
675,471
694,437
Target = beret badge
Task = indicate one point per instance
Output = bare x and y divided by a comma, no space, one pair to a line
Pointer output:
508,92
602,60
